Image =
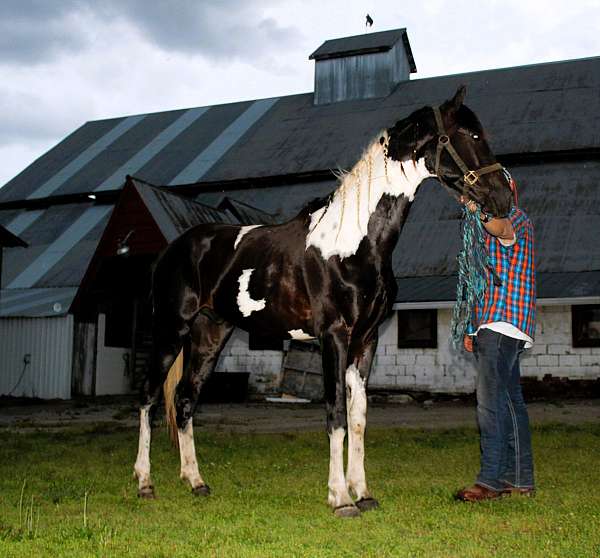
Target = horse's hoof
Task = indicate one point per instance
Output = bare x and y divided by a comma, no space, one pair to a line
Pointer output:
349,510
366,504
202,490
146,492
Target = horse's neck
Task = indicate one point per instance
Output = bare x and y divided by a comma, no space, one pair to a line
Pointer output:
370,201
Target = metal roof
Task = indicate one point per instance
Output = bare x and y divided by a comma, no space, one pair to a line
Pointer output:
419,291
175,214
36,302
525,110
366,43
9,239
246,214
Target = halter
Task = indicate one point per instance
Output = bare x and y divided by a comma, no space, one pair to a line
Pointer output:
470,177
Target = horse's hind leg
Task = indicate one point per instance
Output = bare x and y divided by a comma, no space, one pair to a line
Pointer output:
207,340
163,356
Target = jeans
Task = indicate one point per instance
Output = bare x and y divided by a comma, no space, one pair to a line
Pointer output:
505,437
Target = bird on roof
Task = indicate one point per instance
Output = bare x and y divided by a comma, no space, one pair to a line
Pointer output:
369,21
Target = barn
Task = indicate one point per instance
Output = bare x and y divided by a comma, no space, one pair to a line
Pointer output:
95,210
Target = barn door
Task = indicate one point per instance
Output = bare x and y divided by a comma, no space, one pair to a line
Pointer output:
302,374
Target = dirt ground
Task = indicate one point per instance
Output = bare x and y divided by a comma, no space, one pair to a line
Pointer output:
279,417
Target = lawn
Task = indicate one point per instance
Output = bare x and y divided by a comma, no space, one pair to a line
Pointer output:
269,496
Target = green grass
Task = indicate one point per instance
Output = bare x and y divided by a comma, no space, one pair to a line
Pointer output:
269,496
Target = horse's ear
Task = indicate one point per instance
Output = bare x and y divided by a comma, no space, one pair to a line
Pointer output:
458,98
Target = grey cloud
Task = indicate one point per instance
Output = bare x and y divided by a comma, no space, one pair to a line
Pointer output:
37,31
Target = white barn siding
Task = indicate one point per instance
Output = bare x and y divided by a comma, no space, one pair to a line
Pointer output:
49,341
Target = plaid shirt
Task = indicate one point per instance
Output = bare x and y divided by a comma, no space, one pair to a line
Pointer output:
513,301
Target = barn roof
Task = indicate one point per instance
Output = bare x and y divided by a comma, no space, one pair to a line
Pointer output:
542,108
9,239
544,118
175,214
367,43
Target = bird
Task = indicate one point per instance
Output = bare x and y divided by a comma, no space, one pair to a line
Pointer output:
369,22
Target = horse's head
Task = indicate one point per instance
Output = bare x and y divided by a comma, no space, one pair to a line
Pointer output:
453,143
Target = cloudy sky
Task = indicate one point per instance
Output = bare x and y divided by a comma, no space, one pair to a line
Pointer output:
64,62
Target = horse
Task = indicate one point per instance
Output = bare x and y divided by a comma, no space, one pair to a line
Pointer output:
326,274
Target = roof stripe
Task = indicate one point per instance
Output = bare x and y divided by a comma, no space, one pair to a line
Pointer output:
223,142
57,249
57,180
53,297
153,148
24,220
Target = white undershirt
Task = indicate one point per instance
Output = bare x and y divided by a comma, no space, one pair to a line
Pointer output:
509,330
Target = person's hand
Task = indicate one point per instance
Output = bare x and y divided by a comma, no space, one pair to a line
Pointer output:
468,343
470,204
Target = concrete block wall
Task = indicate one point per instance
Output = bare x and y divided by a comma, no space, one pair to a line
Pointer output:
264,366
553,352
440,370
446,370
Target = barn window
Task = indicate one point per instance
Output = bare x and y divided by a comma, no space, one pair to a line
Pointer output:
417,329
264,343
586,325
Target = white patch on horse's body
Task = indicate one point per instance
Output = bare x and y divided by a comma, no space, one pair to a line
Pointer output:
246,304
141,468
339,227
356,408
243,231
300,335
187,452
338,491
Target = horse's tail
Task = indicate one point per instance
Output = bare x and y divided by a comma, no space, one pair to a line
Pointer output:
173,378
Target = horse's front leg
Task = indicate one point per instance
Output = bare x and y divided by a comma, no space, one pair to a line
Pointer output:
335,351
356,404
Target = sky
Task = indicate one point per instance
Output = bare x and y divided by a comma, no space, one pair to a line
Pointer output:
65,62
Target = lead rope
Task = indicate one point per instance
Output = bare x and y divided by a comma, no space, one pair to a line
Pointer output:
473,266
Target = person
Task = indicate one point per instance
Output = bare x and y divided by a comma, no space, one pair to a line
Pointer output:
503,326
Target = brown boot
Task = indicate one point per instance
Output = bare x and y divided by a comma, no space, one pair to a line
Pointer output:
477,493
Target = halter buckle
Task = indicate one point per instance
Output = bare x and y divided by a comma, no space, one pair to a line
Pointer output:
444,139
471,178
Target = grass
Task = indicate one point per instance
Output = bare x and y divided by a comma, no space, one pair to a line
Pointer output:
269,497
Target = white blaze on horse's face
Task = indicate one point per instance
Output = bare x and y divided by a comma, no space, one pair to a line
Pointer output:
243,231
300,335
246,303
338,228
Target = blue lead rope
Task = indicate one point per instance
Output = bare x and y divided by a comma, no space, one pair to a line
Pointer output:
473,267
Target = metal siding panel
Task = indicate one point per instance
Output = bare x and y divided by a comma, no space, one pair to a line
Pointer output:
49,342
62,176
152,149
224,141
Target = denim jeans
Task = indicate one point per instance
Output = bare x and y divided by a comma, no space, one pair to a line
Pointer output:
505,437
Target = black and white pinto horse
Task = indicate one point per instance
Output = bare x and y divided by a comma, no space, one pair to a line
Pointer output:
325,274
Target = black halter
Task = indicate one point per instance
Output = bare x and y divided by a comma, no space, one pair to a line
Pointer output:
469,177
